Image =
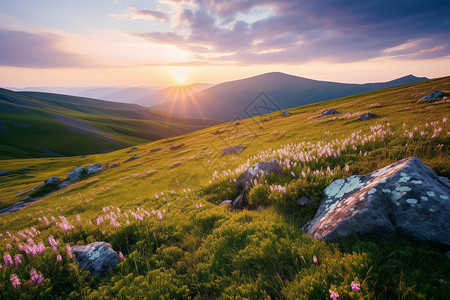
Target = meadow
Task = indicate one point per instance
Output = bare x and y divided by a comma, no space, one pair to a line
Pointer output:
162,211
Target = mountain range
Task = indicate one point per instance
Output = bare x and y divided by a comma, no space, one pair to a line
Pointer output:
266,93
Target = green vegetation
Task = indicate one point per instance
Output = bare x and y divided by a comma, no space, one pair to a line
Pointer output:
200,249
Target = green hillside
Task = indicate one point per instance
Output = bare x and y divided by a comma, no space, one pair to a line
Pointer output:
36,124
199,249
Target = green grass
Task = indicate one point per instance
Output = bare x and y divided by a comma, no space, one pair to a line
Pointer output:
209,252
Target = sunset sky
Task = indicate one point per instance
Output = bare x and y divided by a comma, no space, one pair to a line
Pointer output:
135,42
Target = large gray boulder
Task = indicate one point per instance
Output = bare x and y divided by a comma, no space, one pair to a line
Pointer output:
50,180
432,96
75,173
285,114
406,196
258,170
368,116
96,257
232,149
329,112
94,168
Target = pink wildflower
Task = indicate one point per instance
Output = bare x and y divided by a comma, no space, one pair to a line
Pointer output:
15,281
7,258
159,215
36,277
444,120
121,255
8,246
315,259
69,251
356,287
333,295
17,260
58,257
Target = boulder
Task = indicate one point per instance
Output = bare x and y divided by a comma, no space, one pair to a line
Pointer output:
329,112
94,168
38,186
134,148
241,201
27,199
115,165
75,173
303,201
237,124
232,149
53,179
432,96
64,184
135,157
285,114
96,257
368,116
156,149
13,208
176,147
257,170
226,202
406,197
4,173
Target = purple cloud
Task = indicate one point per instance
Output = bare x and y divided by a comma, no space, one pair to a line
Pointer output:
302,31
35,50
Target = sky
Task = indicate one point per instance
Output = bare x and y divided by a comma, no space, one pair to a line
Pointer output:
166,42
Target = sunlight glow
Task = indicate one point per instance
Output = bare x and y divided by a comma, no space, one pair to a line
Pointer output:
180,74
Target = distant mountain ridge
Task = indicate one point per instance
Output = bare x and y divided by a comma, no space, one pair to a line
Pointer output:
234,99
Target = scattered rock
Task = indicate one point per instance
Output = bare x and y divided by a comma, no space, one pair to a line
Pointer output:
83,156
115,165
27,199
75,173
216,132
38,186
368,116
64,184
96,257
257,170
237,124
432,96
94,168
329,112
4,173
134,148
241,201
232,149
156,149
18,192
135,157
406,196
303,201
53,179
176,147
285,114
12,208
226,202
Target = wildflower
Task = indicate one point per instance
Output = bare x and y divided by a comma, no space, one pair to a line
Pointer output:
7,258
15,281
356,287
58,257
315,259
17,260
444,120
159,215
333,295
36,277
8,246
293,174
69,251
121,255
156,196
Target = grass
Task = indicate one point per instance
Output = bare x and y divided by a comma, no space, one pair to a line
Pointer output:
202,250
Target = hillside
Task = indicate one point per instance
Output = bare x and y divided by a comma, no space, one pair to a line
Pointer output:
162,211
241,99
35,124
172,93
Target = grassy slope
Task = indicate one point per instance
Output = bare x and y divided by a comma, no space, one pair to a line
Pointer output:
32,131
211,252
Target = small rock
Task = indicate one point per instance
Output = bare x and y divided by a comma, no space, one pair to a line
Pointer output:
75,173
18,192
237,124
38,186
285,114
98,257
176,147
27,199
83,156
232,149
135,157
257,170
156,149
329,112
94,168
241,200
226,202
12,208
64,184
303,201
134,148
368,116
432,96
4,173
114,165
53,179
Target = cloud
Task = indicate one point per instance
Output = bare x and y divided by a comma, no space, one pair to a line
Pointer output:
304,31
143,14
27,49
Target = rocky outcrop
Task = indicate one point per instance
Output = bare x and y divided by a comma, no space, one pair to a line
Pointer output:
98,257
432,96
3,173
134,149
94,168
303,201
368,116
406,196
75,173
156,149
329,112
241,201
285,114
257,170
51,180
176,147
232,149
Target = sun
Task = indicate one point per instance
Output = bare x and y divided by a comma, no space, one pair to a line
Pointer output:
180,74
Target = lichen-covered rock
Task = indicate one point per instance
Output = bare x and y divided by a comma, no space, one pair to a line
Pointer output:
257,170
53,179
303,201
94,168
241,201
329,112
96,257
64,184
432,96
368,116
406,196
226,202
75,173
232,149
285,114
